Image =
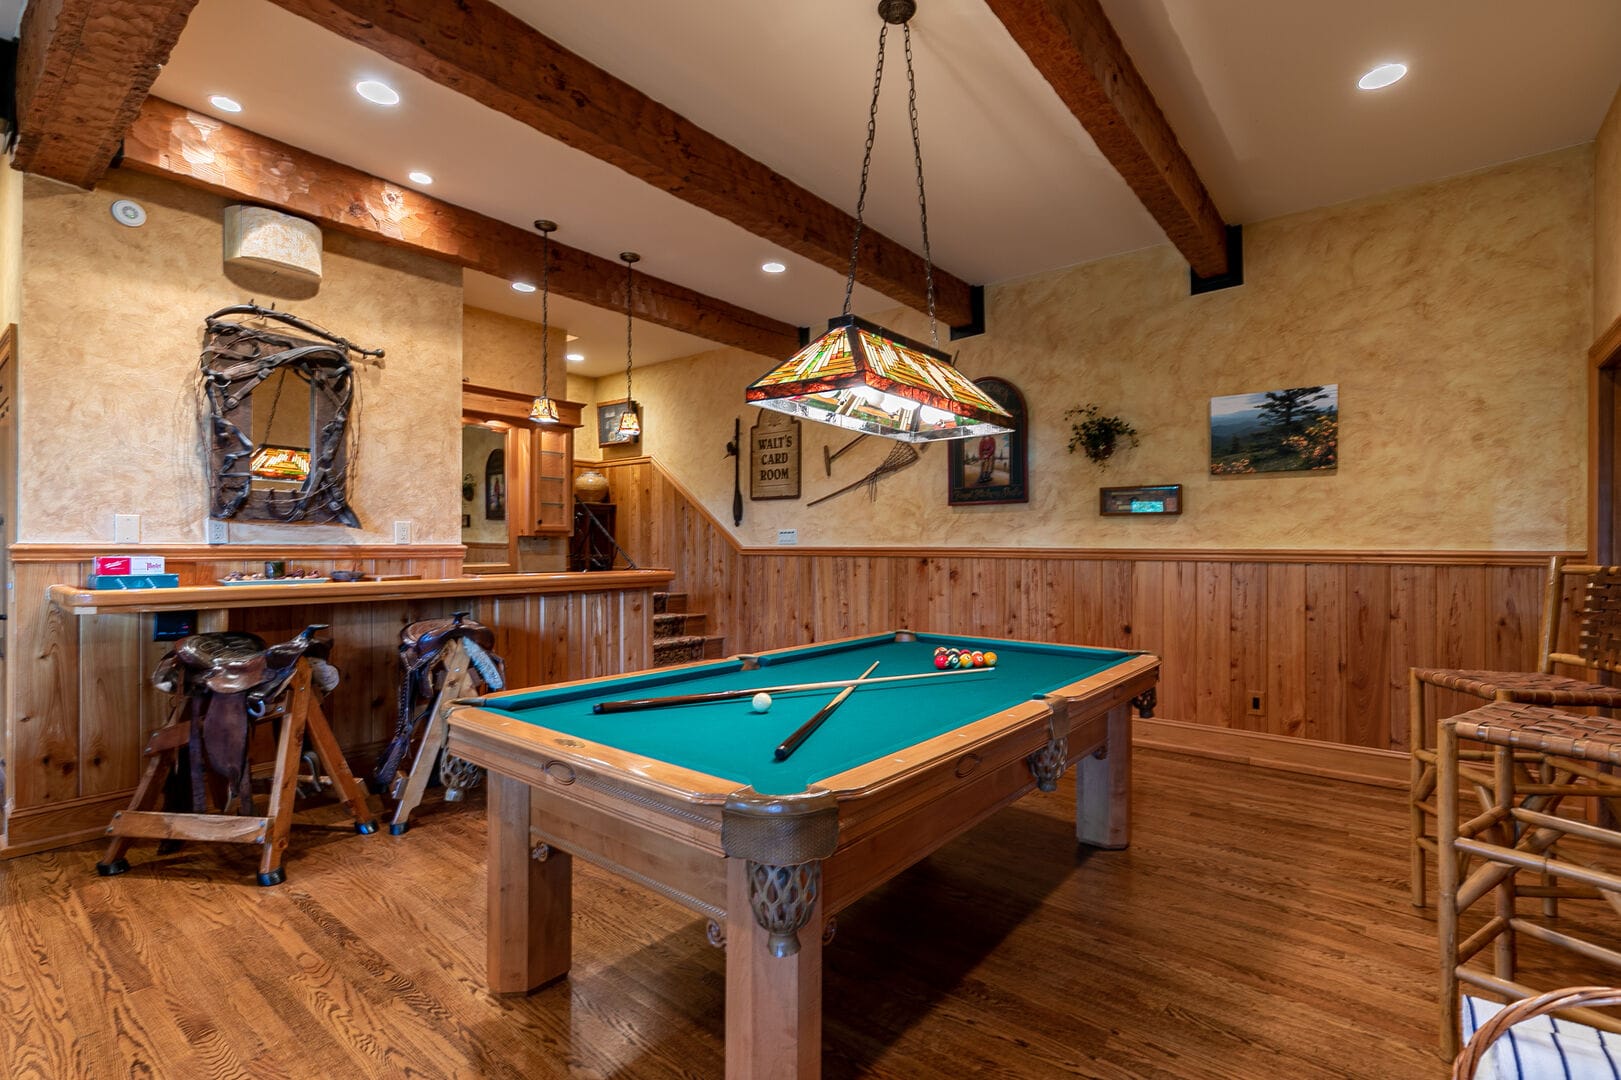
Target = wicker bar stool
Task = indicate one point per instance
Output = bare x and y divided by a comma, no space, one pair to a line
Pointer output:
1598,649
1562,1042
1575,753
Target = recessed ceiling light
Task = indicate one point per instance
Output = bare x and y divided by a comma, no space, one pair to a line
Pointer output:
378,93
225,104
419,177
576,357
1382,76
522,286
773,267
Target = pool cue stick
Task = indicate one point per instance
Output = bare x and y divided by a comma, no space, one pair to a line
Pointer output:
808,728
633,704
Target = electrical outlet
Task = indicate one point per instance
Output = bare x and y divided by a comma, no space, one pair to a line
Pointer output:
1257,705
787,536
402,532
126,528
218,532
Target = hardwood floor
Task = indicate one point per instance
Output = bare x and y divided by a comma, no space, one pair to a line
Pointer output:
1257,927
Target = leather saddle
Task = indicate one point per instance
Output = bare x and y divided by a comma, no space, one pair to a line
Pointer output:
420,645
229,681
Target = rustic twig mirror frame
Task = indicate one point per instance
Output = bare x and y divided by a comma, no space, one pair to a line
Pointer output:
239,354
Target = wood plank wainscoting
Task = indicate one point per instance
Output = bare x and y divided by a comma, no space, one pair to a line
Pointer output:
80,705
1323,638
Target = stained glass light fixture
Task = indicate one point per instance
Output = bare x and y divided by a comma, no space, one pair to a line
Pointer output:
865,378
630,426
544,410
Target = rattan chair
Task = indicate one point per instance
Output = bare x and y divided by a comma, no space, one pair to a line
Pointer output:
1571,1004
1525,834
1598,649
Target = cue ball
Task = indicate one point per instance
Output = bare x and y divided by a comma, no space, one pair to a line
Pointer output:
762,702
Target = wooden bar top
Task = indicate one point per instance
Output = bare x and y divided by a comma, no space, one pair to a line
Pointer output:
81,601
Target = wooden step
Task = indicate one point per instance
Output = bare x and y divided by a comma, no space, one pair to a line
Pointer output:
678,624
687,648
669,603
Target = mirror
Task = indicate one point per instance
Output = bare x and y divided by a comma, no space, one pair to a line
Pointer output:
281,434
278,432
485,522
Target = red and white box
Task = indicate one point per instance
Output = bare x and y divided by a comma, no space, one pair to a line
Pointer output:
129,564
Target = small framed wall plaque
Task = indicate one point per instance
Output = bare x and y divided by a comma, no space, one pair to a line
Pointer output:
1131,501
608,414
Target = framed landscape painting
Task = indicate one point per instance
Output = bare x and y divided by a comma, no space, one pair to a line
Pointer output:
1293,430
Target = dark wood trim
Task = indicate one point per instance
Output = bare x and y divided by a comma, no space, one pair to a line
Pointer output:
1075,47
1605,352
83,69
1604,372
478,49
199,151
489,403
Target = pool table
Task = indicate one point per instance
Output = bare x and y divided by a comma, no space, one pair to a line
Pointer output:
689,800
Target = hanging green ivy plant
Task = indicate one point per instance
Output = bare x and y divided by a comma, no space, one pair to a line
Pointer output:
1098,435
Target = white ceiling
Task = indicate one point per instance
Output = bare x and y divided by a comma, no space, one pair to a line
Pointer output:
1261,92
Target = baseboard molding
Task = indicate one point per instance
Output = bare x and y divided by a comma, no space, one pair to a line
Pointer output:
1358,764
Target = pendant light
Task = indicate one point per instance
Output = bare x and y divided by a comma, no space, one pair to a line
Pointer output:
862,377
630,426
544,410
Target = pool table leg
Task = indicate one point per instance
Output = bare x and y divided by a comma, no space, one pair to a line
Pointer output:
530,898
773,1004
1103,787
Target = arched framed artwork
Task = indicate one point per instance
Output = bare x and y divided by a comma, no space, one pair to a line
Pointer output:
495,486
993,468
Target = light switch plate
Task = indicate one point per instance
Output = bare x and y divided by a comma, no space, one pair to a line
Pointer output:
787,536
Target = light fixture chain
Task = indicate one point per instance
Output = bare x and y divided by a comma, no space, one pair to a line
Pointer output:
545,315
866,164
922,202
630,279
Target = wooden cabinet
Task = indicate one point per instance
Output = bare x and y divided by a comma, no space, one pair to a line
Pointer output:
539,480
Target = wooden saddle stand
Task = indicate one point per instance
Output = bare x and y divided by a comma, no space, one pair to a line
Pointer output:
227,683
441,661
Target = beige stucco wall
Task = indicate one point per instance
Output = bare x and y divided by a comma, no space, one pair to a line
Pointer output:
584,391
110,329
1453,316
504,353
1607,220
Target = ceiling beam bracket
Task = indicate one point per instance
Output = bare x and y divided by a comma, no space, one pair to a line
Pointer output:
1235,267
975,326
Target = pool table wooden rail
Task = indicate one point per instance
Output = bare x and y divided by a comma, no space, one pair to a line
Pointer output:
770,872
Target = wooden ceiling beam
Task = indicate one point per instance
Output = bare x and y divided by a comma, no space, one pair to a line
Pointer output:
1075,47
478,49
169,140
83,69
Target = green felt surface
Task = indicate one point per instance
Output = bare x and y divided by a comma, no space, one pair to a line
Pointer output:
728,739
